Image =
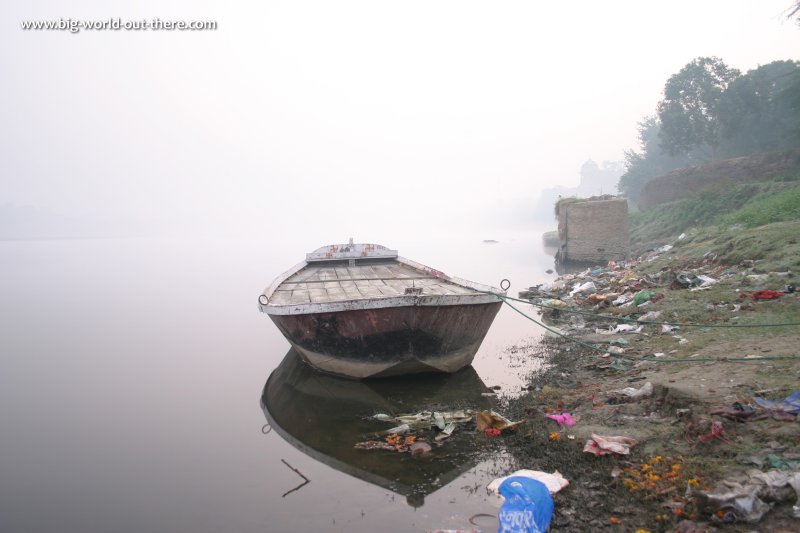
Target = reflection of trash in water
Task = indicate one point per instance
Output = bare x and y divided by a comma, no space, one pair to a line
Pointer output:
324,416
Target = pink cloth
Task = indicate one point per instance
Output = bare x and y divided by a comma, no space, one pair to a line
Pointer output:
564,419
599,445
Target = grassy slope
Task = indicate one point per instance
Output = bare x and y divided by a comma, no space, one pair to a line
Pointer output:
753,221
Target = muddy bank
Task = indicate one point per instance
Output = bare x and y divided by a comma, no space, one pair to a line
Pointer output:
688,394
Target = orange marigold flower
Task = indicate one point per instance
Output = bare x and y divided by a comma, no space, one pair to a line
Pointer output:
554,436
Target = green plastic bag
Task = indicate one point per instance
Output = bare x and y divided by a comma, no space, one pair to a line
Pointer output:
642,296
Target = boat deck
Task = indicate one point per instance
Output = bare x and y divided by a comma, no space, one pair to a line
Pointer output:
326,283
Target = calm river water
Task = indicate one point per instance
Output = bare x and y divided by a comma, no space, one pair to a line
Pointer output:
131,379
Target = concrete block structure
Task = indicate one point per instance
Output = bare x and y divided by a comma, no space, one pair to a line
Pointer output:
593,229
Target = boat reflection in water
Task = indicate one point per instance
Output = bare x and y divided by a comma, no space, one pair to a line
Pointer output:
324,416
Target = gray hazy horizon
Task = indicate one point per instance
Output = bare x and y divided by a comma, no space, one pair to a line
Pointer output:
325,120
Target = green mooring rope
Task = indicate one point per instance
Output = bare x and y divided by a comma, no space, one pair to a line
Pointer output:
505,299
653,322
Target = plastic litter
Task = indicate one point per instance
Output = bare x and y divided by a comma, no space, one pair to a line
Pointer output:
552,306
490,420
649,317
564,419
622,299
528,506
748,497
634,393
642,296
687,279
620,365
738,412
584,288
627,328
713,430
445,422
426,419
766,294
446,432
707,280
600,445
402,429
790,404
554,482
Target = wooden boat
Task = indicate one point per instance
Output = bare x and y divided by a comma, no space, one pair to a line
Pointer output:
360,310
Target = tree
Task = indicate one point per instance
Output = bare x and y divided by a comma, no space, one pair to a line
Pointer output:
758,112
689,111
794,11
650,161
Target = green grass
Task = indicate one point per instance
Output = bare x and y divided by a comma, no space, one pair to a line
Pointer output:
764,210
717,205
773,248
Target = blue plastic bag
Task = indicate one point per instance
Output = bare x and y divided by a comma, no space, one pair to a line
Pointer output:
528,506
790,404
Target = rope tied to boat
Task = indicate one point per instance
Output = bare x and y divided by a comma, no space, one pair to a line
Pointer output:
505,299
640,358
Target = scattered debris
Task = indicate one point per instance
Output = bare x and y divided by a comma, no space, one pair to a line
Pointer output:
599,445
563,419
528,506
790,404
633,393
748,497
489,420
554,482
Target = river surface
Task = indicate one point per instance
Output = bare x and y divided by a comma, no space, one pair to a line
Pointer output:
131,380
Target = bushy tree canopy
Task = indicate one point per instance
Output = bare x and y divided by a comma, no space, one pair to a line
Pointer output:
689,112
711,111
758,111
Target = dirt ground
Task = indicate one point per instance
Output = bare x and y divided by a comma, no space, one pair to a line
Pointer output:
699,426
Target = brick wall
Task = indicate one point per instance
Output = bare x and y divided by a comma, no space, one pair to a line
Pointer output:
594,230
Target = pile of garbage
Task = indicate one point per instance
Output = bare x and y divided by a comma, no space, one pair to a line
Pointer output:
418,433
617,299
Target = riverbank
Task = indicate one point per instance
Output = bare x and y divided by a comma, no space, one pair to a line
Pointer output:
661,371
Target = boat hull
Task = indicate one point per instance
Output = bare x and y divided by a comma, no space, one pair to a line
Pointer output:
389,341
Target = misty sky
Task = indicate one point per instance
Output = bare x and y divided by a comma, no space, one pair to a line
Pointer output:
335,118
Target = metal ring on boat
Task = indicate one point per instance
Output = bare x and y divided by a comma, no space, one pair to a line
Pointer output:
507,284
266,428
263,301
